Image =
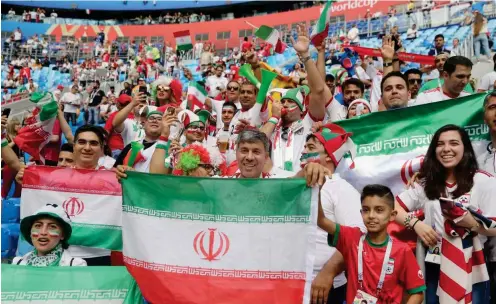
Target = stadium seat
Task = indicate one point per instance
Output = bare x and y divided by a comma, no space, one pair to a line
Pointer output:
10,236
11,210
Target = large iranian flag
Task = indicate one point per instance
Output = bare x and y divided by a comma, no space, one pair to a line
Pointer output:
196,96
92,199
66,285
391,144
191,240
183,40
39,126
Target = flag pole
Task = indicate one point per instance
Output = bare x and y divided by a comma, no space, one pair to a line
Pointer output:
251,25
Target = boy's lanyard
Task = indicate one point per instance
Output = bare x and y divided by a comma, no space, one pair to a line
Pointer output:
384,263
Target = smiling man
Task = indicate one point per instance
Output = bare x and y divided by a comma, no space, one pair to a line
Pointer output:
395,93
456,75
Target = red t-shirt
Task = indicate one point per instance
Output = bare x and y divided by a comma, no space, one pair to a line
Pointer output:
405,275
52,149
246,46
106,57
115,141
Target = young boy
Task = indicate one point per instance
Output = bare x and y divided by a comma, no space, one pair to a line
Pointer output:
379,269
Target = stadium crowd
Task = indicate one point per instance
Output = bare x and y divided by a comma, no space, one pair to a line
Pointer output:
238,130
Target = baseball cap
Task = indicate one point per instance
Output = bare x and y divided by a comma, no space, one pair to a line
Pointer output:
124,99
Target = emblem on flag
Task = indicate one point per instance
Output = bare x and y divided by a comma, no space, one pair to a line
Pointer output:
218,244
73,206
410,167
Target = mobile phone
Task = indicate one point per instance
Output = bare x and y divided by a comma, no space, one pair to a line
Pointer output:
170,111
447,203
143,90
6,112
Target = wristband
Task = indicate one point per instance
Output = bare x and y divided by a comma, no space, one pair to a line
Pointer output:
304,60
162,146
413,226
163,138
387,64
409,217
274,120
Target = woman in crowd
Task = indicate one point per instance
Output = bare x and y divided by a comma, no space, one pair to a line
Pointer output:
49,231
449,171
358,107
479,30
198,161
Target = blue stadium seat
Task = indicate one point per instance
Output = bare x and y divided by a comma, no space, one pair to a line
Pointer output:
10,236
11,209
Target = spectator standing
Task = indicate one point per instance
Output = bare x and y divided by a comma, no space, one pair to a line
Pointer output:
479,30
33,15
246,46
11,13
438,46
72,103
217,83
53,17
354,35
411,34
94,99
456,49
488,81
207,57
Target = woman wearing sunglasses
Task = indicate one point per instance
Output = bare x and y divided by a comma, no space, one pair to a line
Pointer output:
198,161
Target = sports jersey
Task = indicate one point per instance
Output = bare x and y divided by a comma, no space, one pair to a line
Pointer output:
335,111
341,204
403,272
435,95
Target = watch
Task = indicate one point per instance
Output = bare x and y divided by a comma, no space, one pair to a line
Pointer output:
387,64
305,59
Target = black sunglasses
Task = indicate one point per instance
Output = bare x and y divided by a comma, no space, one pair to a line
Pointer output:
412,81
232,88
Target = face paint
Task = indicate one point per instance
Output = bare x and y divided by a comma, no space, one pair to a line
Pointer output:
307,158
54,232
35,232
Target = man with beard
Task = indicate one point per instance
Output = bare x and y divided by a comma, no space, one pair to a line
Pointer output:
217,83
232,96
137,155
126,90
456,75
352,89
394,88
414,77
169,144
166,92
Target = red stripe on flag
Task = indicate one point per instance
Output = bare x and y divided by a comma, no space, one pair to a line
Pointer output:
454,254
317,39
451,287
468,298
181,33
71,180
398,199
188,287
476,259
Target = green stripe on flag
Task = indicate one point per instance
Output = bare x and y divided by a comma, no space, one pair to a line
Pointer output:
197,86
185,47
68,284
214,198
49,110
404,130
97,236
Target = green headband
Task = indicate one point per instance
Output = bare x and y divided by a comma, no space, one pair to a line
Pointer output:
154,113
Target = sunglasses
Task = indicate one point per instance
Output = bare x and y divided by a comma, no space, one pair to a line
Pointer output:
163,89
196,128
230,88
412,81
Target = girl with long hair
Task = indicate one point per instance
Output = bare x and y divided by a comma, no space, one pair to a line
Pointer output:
450,174
479,30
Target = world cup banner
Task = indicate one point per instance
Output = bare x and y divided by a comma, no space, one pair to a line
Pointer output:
192,240
91,198
391,145
65,285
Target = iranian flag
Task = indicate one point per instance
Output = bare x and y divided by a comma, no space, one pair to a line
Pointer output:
320,30
36,134
196,96
61,285
91,198
189,240
391,145
183,40
272,36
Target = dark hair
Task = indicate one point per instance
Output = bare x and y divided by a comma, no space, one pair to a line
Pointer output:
67,147
245,39
394,74
330,77
250,84
494,60
253,136
354,81
413,71
433,175
452,62
380,191
439,36
99,131
488,97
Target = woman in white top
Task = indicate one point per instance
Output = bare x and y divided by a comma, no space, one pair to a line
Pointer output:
450,171
49,231
479,30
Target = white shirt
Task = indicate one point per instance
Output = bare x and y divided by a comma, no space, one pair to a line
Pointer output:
361,74
432,75
132,131
375,92
487,160
71,102
54,15
487,82
33,14
213,82
411,33
336,111
353,35
341,204
65,260
435,95
217,109
17,35
11,12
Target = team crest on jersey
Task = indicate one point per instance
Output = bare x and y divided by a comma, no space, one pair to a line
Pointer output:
464,199
390,266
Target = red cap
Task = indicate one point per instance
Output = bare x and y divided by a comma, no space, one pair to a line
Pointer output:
60,87
124,99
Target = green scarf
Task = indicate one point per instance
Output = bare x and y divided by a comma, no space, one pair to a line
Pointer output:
50,259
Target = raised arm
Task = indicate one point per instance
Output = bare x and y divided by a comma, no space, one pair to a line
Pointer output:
319,92
323,222
269,127
157,163
388,54
321,59
120,117
64,126
8,155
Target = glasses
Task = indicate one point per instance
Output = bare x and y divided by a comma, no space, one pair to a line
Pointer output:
154,118
207,167
196,128
163,89
413,81
232,88
84,142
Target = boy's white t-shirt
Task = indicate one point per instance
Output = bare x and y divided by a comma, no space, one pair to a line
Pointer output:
132,131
